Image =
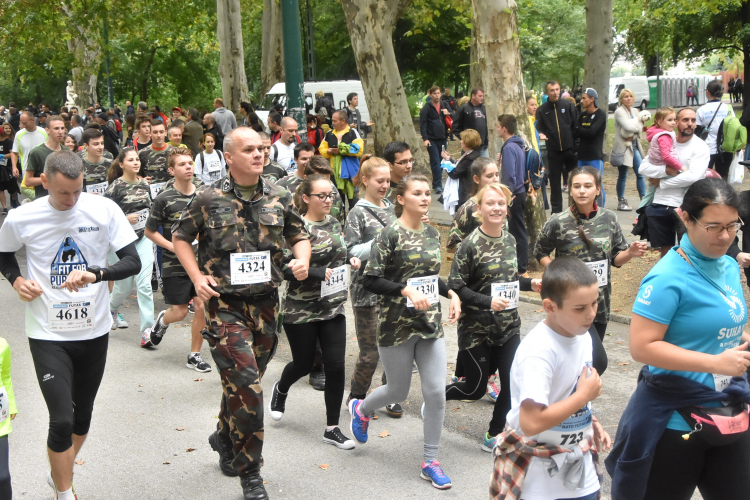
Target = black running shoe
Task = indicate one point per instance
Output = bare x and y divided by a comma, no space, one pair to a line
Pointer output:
337,439
277,406
159,329
395,410
318,378
252,488
226,455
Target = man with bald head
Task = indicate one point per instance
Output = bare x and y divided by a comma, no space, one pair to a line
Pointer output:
209,124
282,151
244,222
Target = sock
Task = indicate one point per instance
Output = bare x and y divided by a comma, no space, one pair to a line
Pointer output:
330,427
195,353
66,495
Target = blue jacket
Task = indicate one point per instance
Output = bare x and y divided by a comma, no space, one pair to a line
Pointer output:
645,418
513,170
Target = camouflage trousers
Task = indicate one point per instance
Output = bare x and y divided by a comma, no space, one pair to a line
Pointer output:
245,341
366,324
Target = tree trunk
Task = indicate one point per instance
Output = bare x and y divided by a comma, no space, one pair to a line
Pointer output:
745,18
499,63
596,66
651,66
370,24
87,56
146,71
272,54
232,54
475,75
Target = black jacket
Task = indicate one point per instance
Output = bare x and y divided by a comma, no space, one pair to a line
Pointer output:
590,130
111,141
432,122
216,132
557,120
462,172
474,117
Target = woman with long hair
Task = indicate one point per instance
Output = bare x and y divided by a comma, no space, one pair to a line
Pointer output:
8,178
627,147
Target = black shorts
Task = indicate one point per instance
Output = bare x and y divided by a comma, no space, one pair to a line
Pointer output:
664,225
10,186
178,290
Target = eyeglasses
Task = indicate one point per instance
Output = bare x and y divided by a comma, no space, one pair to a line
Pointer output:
718,228
410,161
323,196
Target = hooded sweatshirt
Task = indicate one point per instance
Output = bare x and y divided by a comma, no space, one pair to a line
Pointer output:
513,170
225,120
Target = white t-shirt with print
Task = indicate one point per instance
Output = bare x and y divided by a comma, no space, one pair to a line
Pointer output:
545,369
703,117
284,156
58,242
210,167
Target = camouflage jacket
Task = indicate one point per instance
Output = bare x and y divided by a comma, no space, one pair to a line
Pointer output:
131,197
391,193
397,255
95,173
303,302
292,182
106,155
274,171
560,234
362,227
464,223
154,163
165,211
229,224
480,261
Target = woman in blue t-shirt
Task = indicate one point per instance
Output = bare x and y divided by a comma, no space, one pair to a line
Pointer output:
688,320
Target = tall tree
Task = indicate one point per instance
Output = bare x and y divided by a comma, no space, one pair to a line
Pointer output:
598,62
499,63
232,54
272,58
370,24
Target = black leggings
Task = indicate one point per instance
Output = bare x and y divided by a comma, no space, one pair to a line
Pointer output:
69,374
6,492
599,355
679,466
302,339
478,363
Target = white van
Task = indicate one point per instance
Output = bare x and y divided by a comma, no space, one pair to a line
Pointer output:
336,90
639,86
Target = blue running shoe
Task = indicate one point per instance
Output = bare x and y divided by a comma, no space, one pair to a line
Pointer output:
359,422
489,442
433,472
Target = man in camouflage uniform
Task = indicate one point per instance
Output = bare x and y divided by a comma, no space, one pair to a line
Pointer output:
242,219
271,169
302,154
95,165
154,158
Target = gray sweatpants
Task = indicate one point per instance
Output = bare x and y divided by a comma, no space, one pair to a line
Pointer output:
429,355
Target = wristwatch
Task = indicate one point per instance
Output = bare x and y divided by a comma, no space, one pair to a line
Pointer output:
97,271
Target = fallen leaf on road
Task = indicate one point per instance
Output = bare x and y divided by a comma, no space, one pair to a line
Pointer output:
462,428
197,379
456,408
180,428
623,364
351,354
166,462
375,417
140,385
79,462
540,310
186,324
133,296
324,466
127,307
619,342
190,449
384,434
616,310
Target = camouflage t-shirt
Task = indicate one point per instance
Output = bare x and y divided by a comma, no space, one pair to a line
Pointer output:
479,262
362,226
390,195
464,223
303,302
165,211
292,182
560,234
274,171
228,224
154,163
132,198
397,255
95,173
105,154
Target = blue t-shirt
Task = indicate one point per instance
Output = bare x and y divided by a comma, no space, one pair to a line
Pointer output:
700,318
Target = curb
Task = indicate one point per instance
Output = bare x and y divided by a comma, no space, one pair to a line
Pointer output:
617,318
